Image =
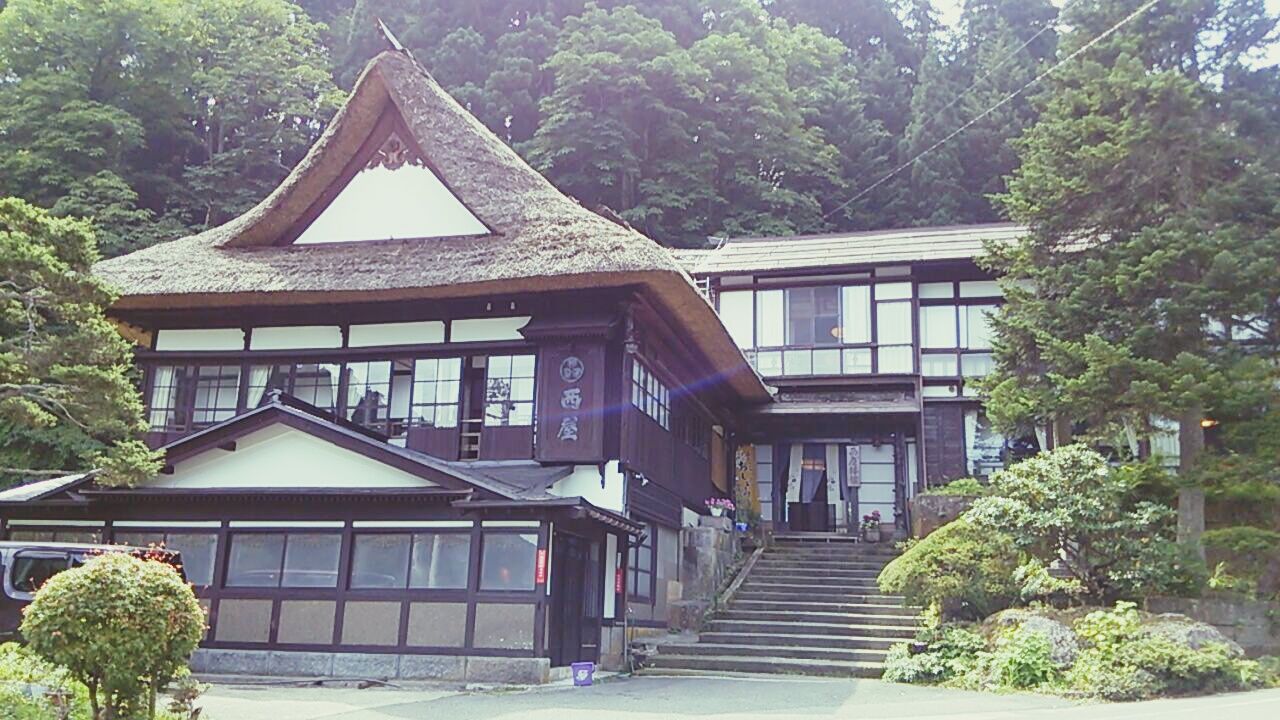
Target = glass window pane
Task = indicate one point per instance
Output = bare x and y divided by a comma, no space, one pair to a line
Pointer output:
380,561
499,366
30,571
984,447
311,560
31,535
522,366
507,562
370,623
856,314
199,553
437,624
769,318
977,364
893,291
737,314
306,622
440,560
139,539
78,536
243,620
509,627
826,362
857,361
797,362
896,359
938,326
976,327
980,288
939,365
769,364
893,323
255,560
937,290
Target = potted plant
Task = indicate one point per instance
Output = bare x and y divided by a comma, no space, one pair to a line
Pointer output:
718,506
870,527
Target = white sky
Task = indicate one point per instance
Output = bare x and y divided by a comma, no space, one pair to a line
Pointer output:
950,13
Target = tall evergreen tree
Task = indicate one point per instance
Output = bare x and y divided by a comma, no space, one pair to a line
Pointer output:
1153,231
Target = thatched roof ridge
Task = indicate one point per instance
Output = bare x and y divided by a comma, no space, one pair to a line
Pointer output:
541,240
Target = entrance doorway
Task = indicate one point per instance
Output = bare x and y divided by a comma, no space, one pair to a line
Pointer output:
576,600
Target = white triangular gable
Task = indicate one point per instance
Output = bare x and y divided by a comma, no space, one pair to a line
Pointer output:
280,457
395,196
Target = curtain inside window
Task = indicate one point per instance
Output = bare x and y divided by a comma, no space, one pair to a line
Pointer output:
164,396
259,375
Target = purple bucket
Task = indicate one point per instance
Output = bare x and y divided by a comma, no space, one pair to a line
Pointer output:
583,673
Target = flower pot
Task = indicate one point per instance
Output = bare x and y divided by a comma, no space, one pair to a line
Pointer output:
871,535
716,511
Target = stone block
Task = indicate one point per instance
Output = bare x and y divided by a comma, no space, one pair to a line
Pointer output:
718,523
209,661
686,615
301,664
930,512
433,667
508,671
372,666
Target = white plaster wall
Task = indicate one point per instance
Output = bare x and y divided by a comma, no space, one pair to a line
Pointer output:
585,482
399,333
296,337
207,339
282,457
487,329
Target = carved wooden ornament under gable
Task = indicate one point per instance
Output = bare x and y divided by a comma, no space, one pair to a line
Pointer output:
393,154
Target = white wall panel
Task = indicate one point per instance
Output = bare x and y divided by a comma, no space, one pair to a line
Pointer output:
299,337
207,339
401,333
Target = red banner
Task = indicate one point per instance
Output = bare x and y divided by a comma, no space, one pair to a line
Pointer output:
617,581
540,568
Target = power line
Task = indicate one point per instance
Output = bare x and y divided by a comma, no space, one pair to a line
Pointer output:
1105,34
964,93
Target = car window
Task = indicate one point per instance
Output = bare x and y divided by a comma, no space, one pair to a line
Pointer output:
31,570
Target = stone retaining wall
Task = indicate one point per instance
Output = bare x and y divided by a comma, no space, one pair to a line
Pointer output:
372,666
1254,624
708,555
930,512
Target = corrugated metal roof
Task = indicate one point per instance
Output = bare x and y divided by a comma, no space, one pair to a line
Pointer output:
875,247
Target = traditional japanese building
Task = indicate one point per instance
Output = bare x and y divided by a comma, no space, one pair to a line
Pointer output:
422,414
873,341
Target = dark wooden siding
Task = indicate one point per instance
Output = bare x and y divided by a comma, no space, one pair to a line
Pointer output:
943,442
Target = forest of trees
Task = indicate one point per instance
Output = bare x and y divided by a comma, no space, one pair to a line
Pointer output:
690,118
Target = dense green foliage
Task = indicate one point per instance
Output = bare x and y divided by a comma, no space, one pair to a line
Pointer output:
153,117
1069,504
963,486
688,117
1114,655
964,570
121,626
67,400
1149,285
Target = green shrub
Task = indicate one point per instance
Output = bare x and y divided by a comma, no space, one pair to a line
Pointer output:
1070,505
19,670
1122,661
965,570
963,486
1247,553
1022,659
948,652
122,626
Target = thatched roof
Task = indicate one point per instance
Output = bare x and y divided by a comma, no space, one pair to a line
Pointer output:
542,240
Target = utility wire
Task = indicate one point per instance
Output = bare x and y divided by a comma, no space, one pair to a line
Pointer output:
1105,34
964,93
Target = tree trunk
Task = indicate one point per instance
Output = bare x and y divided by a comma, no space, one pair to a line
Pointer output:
1190,499
1061,431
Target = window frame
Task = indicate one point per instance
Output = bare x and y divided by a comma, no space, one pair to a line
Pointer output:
649,394
649,594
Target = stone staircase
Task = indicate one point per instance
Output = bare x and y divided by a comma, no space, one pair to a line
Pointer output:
809,606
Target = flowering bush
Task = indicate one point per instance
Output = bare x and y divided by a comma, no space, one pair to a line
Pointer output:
872,521
723,503
122,626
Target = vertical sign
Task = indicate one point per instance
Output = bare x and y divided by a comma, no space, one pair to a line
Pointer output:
540,567
571,402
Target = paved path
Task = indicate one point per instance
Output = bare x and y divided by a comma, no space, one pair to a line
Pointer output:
662,698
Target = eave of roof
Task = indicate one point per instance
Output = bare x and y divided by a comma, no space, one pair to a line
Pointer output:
874,247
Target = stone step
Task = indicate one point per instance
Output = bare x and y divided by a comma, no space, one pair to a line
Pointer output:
766,627
785,651
770,665
900,620
848,642
829,596
768,562
808,605
784,572
805,583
